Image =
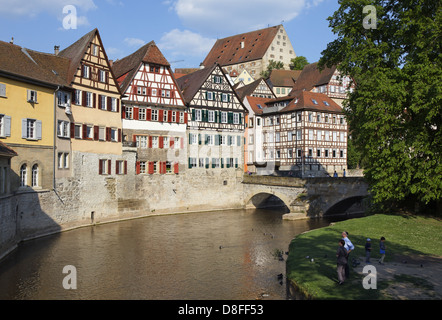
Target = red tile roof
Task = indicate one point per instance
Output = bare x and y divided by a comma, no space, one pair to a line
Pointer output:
305,100
229,50
257,104
311,77
284,78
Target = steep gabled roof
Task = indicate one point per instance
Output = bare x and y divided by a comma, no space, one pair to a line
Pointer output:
32,65
311,77
76,51
229,50
248,90
192,82
129,65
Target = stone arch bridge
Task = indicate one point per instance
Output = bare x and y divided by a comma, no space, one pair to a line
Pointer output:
307,198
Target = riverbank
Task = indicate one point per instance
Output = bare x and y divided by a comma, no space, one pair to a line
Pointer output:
412,268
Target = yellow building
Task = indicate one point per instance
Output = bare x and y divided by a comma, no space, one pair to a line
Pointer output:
95,119
27,122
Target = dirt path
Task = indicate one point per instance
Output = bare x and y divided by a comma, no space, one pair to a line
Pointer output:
409,277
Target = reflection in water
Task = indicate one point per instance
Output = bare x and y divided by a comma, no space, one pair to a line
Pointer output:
218,255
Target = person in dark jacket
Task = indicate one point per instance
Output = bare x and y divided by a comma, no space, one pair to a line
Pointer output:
341,256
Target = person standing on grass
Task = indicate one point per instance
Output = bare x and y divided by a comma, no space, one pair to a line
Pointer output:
349,247
341,256
382,250
367,250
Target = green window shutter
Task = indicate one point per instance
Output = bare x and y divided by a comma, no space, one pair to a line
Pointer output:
190,164
240,118
230,117
238,140
199,138
193,114
222,163
190,138
236,162
227,163
206,139
216,116
207,163
213,163
217,139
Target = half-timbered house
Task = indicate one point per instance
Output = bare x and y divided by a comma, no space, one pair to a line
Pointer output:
216,120
153,114
93,113
305,134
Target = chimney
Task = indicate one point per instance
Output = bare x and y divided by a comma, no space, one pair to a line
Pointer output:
111,62
56,50
12,40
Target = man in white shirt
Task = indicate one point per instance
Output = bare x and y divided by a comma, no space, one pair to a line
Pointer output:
349,247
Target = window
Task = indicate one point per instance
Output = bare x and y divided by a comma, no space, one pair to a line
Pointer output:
154,115
63,129
198,116
310,134
34,180
103,102
318,153
277,137
23,175
121,167
63,160
31,129
165,113
192,163
215,163
102,133
154,92
326,153
193,138
342,137
77,131
32,96
141,141
155,143
78,97
298,135
166,142
223,117
64,99
94,49
318,135
210,140
223,140
334,153
89,99
341,153
236,118
104,166
142,113
89,131
173,116
290,153
165,93
289,136
168,167
310,117
102,76
114,134
182,115
142,167
86,71
209,95
225,97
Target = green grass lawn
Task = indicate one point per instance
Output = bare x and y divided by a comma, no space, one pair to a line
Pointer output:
405,235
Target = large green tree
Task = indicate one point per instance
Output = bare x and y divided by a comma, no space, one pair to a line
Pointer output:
298,63
395,112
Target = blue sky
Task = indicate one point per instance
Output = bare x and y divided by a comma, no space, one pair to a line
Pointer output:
184,30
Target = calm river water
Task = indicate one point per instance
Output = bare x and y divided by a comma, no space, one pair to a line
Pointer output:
212,255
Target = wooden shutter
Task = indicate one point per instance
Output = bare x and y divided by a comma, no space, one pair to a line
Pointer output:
7,120
117,168
136,113
169,116
148,114
99,101
137,167
185,117
150,142
125,166
100,167
96,133
109,104
118,104
172,142
123,112
38,129
72,130
176,167
108,134
83,131
83,98
109,166
161,142
161,116
94,101
150,169
119,135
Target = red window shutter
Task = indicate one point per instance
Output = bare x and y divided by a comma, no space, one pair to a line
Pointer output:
148,114
107,76
117,169
119,135
96,134
134,89
136,113
137,168
150,167
125,166
109,166
161,142
83,98
164,167
94,102
182,142
123,113
83,127
161,116
172,142
169,116
177,118
172,94
185,117
109,104
159,92
100,167
176,167
108,134
149,91
118,105
150,142
99,101
134,138
72,130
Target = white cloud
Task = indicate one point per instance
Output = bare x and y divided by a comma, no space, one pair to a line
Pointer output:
233,16
134,42
177,41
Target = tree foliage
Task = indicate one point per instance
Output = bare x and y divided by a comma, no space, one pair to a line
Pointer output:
298,63
272,65
395,112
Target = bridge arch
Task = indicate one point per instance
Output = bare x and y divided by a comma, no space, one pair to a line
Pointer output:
350,205
265,199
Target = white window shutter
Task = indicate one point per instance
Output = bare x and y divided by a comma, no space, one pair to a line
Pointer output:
2,90
24,128
7,126
38,129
